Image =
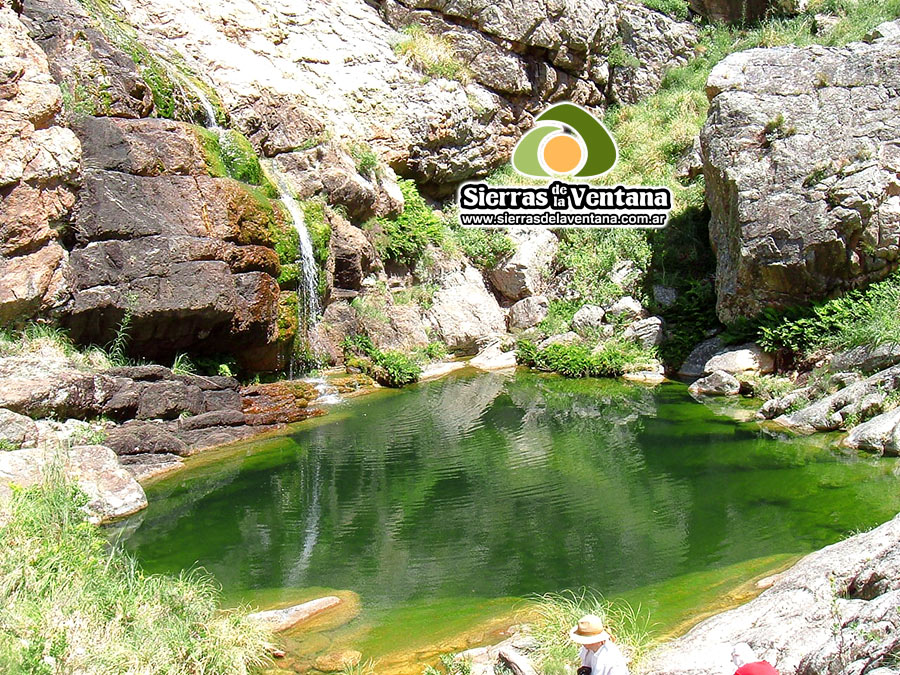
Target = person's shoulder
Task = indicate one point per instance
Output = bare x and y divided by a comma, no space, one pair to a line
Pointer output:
758,668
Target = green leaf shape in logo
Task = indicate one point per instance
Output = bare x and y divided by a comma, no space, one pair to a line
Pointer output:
602,151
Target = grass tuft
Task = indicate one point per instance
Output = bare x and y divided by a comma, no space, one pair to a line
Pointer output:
557,613
69,603
432,54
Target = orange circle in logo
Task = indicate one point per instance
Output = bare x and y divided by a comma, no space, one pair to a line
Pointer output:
562,154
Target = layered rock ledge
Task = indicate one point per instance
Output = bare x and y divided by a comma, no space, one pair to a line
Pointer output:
837,611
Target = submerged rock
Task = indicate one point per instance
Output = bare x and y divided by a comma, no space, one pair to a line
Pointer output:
833,612
278,620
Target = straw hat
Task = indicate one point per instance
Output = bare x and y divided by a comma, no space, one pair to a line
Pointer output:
589,631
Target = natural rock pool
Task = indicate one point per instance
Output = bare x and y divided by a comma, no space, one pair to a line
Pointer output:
441,505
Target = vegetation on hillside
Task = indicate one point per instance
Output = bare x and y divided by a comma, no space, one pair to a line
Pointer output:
70,603
432,54
869,316
558,612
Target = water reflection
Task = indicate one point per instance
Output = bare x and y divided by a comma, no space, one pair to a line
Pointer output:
497,485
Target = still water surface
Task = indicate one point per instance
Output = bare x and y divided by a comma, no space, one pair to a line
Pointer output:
441,504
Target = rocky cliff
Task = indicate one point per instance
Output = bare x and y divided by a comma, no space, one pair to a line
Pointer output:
800,155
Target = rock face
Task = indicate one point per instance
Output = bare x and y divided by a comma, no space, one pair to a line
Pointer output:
100,78
111,490
833,612
185,255
523,273
464,313
271,71
801,161
38,170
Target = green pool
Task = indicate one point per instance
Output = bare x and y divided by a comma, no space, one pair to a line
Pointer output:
437,508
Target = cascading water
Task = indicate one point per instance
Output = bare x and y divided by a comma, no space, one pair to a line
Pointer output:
308,308
309,278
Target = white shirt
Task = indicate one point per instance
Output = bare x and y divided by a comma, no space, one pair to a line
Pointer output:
607,660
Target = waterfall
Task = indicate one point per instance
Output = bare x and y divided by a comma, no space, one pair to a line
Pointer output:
308,308
309,277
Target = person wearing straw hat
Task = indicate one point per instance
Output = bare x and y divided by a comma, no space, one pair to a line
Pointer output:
745,659
599,654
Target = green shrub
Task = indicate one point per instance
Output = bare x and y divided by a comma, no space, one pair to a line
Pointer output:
404,239
612,359
591,255
229,154
484,248
860,317
365,158
432,54
390,368
673,8
421,294
71,604
559,316
688,320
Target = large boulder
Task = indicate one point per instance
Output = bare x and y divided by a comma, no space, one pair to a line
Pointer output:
649,332
17,431
39,162
801,158
717,383
713,354
524,272
354,255
464,314
111,490
588,318
880,435
833,612
528,312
